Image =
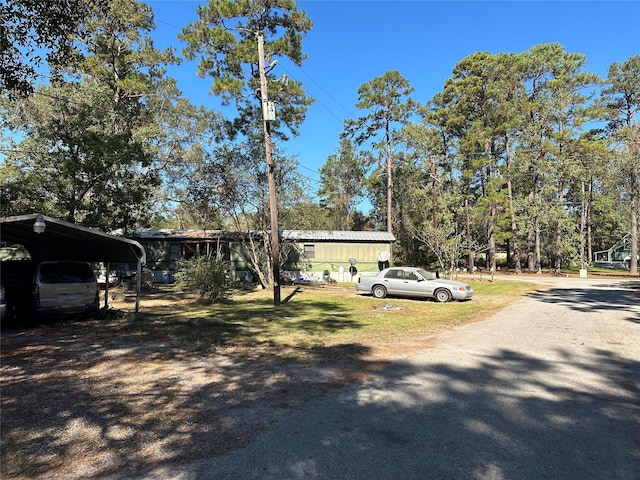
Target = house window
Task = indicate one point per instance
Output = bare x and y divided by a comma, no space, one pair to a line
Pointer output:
174,252
310,251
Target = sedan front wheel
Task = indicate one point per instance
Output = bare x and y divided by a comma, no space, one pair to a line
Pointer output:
443,295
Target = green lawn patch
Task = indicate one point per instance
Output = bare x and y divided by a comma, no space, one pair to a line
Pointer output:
309,320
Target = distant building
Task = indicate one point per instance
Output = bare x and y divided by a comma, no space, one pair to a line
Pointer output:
618,256
307,255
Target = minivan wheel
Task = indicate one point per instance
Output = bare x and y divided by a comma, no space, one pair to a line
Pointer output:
379,291
443,295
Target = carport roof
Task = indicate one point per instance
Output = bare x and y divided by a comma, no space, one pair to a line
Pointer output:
68,241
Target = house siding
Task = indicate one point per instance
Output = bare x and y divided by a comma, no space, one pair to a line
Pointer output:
330,256
332,251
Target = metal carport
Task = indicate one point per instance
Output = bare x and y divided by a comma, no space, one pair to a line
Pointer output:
67,241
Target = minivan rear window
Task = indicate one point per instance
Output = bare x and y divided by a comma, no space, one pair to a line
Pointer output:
65,272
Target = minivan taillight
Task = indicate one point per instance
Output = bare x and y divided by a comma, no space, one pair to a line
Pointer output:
35,293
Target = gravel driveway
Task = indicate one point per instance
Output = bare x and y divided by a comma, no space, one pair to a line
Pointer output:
546,389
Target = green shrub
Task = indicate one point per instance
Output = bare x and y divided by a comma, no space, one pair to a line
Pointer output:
207,277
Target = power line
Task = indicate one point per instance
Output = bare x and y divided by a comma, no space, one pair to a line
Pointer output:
331,112
310,169
309,178
326,92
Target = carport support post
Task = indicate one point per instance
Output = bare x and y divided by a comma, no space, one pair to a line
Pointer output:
138,284
106,286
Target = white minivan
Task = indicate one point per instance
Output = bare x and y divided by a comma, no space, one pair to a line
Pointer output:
50,288
64,287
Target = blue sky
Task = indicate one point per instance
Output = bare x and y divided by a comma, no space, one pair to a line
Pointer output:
354,41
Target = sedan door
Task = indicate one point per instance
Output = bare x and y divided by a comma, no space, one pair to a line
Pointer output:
393,281
415,286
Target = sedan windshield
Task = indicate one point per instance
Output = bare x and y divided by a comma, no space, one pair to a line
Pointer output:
426,275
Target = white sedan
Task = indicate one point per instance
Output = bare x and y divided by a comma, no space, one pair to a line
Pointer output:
412,282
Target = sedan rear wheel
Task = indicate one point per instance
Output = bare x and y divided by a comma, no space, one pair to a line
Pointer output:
443,295
379,291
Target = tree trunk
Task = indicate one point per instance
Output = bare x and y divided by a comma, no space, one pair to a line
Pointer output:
491,224
531,248
469,243
514,222
389,183
634,147
434,197
559,234
538,257
633,269
262,268
492,218
557,259
584,211
589,237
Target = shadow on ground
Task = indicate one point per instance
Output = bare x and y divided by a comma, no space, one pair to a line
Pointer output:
618,296
506,417
82,409
84,399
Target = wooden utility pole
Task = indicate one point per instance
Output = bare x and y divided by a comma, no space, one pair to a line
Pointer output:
268,116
